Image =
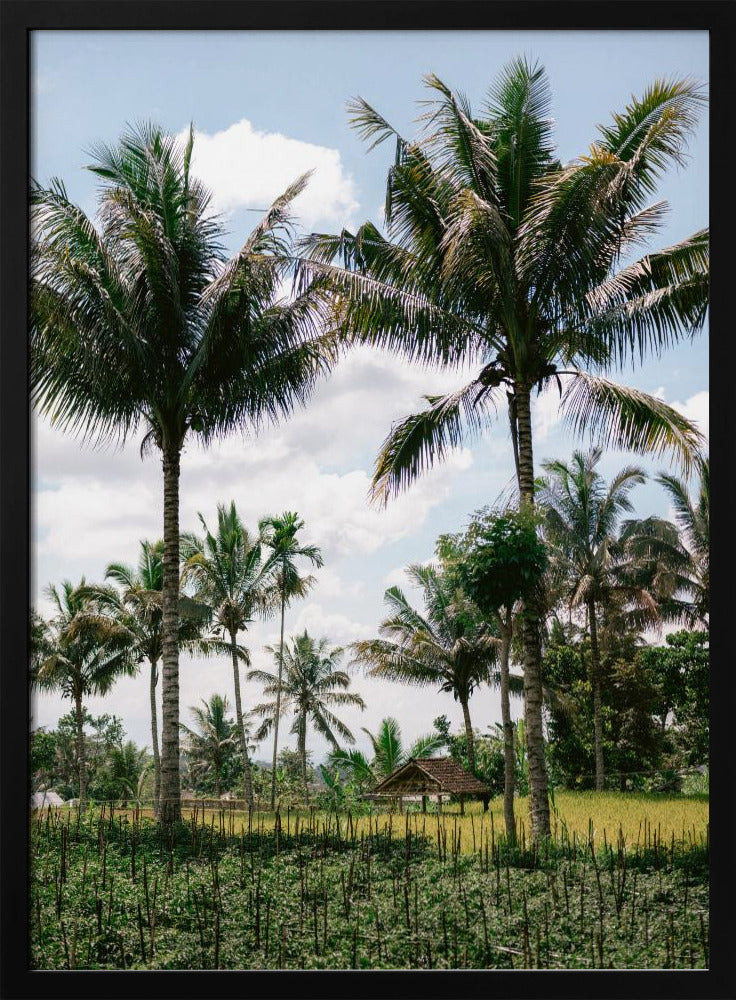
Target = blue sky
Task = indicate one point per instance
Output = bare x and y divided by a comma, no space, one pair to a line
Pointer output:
266,106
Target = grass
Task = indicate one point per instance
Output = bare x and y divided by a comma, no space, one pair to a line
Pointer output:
635,816
109,890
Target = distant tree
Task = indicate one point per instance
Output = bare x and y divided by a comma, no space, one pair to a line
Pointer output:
136,603
632,742
84,656
213,740
231,575
122,772
448,646
681,670
596,557
692,517
389,753
499,560
680,553
311,686
42,758
280,535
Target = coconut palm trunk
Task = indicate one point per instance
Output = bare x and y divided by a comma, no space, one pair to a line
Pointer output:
532,651
595,679
303,753
154,741
81,756
247,777
509,757
170,800
278,692
469,734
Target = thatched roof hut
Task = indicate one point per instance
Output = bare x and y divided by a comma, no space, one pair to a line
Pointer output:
436,776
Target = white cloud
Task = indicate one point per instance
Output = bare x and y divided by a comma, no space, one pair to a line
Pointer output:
339,629
546,412
695,408
246,168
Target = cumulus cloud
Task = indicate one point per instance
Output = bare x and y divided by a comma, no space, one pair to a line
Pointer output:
247,168
546,412
695,408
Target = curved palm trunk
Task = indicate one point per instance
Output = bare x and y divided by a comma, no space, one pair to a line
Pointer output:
278,696
81,756
532,650
595,680
509,757
469,734
247,777
170,795
154,741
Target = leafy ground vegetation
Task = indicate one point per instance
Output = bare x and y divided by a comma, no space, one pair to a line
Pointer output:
320,891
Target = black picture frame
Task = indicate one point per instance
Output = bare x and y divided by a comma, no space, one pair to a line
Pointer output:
18,19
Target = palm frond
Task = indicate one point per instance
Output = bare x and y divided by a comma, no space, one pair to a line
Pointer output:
621,417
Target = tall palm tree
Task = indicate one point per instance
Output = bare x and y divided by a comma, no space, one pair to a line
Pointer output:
309,683
208,745
232,577
448,646
82,656
499,257
138,607
280,535
144,323
588,549
389,753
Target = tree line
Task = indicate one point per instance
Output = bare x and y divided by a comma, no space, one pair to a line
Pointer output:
612,701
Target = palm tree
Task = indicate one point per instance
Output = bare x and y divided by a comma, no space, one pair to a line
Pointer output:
234,580
448,647
591,551
209,745
138,608
125,765
144,322
689,554
389,753
308,684
82,656
280,535
500,258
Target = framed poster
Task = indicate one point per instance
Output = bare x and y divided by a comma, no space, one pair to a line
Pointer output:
362,509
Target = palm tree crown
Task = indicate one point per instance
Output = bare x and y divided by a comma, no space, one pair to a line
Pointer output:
389,753
207,746
689,555
144,322
311,686
449,646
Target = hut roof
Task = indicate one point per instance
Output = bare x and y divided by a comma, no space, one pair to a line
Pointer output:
431,775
